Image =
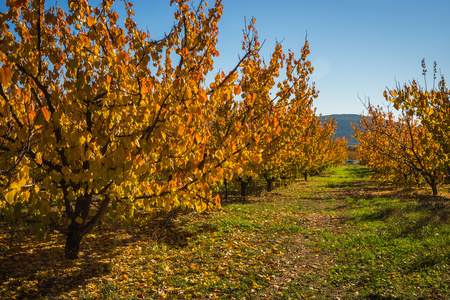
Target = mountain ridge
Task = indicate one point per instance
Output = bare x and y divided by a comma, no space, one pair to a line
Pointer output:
344,127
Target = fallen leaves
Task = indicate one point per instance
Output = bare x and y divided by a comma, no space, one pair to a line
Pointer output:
280,245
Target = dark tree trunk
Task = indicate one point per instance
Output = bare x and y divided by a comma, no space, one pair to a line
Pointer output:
226,189
244,185
73,240
306,176
76,231
269,182
434,187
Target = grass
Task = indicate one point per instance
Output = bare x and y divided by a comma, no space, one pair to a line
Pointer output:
339,235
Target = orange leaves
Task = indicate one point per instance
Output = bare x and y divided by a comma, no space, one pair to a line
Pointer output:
5,76
114,17
46,113
202,98
180,130
20,3
135,130
399,149
237,89
90,21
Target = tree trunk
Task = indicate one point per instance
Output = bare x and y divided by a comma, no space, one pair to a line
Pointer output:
73,241
244,185
226,189
305,176
434,187
76,231
269,182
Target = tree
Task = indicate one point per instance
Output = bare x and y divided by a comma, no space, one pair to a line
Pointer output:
286,113
316,150
431,108
98,118
398,148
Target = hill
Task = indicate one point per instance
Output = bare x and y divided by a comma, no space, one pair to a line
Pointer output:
344,127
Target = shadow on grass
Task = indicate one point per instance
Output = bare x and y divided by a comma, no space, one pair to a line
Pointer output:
36,268
428,261
360,173
379,297
380,215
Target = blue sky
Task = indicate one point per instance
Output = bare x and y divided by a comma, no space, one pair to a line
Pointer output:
358,47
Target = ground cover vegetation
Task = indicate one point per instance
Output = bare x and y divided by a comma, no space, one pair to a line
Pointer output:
339,235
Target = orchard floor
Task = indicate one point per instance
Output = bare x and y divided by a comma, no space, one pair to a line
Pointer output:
337,236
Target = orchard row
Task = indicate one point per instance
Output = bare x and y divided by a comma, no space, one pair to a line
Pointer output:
97,118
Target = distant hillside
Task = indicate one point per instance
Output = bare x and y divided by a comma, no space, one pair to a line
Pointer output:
344,129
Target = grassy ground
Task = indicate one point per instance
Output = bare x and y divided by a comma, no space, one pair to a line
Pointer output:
338,236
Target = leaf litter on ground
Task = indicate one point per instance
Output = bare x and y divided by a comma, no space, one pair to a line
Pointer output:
308,240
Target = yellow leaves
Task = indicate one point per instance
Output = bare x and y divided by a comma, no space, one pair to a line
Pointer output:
16,186
257,158
79,220
9,196
5,76
39,158
219,154
66,170
163,135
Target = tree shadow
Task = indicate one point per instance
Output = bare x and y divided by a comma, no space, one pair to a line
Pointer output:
427,261
379,297
37,268
360,173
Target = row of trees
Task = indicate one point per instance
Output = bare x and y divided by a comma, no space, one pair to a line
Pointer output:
412,148
96,118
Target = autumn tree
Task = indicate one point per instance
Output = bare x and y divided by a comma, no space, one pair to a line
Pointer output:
281,117
293,109
431,107
96,118
398,149
315,150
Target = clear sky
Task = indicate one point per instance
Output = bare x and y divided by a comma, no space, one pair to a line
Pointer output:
358,47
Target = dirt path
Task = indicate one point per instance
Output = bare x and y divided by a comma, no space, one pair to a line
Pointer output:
307,264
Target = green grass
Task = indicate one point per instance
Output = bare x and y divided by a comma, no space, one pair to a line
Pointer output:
337,235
